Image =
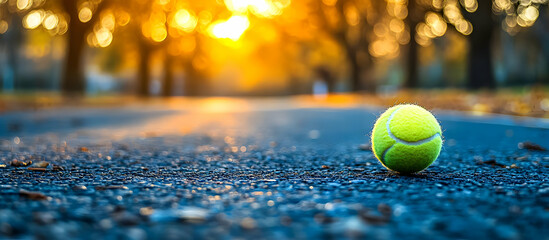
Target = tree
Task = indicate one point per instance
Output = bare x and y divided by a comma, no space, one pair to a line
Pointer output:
144,69
195,80
480,68
73,18
73,80
346,21
177,28
167,86
477,20
415,15
141,32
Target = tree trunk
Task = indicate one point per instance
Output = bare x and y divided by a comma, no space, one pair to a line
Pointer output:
12,40
167,86
73,81
543,23
192,79
13,79
193,84
369,84
366,59
480,69
350,50
1,80
412,79
352,61
479,73
144,71
354,68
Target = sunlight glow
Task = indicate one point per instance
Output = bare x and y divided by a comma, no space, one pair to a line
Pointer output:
155,27
260,8
232,29
159,33
85,14
204,19
104,37
352,15
464,27
50,21
24,4
330,3
470,5
123,18
185,20
527,16
33,19
384,47
62,26
437,4
436,24
502,5
238,6
108,21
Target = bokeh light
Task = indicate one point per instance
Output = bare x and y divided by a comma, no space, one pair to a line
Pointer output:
185,20
50,21
23,4
85,14
33,19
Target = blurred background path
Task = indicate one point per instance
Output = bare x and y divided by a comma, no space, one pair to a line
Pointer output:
298,122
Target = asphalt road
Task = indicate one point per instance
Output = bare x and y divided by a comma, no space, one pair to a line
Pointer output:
263,169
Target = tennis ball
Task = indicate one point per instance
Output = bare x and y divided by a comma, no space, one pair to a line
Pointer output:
406,138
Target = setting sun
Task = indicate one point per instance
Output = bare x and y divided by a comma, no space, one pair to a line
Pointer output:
261,8
233,28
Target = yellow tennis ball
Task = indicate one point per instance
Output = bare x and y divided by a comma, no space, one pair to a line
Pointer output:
406,138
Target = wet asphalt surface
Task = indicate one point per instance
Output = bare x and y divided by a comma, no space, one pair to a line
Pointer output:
155,172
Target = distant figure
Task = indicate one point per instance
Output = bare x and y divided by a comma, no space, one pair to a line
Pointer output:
325,75
320,89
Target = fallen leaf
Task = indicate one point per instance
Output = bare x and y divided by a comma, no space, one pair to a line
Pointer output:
57,168
521,158
17,163
513,166
79,188
321,218
111,187
41,164
493,163
32,195
531,146
384,209
36,169
369,217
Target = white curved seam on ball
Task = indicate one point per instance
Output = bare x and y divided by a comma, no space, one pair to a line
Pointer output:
398,140
384,153
390,135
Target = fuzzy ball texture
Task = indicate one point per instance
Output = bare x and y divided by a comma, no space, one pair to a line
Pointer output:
406,138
